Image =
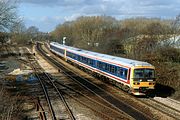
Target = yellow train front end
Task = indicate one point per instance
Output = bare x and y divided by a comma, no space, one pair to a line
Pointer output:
142,80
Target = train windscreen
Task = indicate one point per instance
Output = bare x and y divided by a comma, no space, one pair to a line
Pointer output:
144,73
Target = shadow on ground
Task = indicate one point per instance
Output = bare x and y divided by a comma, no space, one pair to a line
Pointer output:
163,91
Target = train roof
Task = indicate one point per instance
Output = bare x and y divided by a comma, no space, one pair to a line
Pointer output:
105,57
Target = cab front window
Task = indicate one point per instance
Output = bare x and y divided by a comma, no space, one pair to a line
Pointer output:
144,73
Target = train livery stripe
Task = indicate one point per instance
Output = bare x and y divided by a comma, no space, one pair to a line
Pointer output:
95,58
99,71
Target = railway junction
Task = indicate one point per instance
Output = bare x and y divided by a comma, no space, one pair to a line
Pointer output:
53,89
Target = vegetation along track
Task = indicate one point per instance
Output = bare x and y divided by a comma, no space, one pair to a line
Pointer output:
172,112
43,78
133,112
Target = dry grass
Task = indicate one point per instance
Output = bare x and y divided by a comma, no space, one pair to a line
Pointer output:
10,105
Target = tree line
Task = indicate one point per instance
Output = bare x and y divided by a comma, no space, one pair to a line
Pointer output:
148,39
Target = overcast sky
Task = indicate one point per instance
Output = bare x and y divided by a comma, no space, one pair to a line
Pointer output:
47,14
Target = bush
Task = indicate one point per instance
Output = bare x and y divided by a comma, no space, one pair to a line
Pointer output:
167,73
170,54
10,106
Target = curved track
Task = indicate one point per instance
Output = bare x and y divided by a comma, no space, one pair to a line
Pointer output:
43,78
174,113
133,112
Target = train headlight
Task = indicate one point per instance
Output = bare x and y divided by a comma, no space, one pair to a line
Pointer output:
136,83
151,83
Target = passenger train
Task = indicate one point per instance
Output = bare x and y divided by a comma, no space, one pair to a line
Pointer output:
135,77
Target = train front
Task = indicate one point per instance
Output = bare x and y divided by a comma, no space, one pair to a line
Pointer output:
142,80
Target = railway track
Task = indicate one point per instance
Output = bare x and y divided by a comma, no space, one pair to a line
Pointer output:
72,117
40,78
43,78
107,112
107,97
170,111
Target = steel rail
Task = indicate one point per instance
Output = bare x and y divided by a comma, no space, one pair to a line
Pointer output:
171,112
61,97
46,96
39,70
92,100
129,110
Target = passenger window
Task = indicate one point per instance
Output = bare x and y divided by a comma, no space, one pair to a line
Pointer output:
112,69
125,74
118,71
104,66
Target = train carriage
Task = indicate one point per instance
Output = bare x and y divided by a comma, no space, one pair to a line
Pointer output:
136,77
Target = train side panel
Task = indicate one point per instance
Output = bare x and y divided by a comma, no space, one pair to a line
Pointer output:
120,75
113,72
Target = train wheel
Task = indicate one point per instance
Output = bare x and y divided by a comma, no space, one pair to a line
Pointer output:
119,85
126,88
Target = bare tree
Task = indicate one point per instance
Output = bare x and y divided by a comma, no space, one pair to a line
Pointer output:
8,14
18,27
176,25
8,17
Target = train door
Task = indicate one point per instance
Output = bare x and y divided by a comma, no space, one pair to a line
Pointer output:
65,55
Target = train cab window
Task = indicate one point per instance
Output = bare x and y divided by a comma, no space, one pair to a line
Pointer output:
149,73
144,73
138,73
